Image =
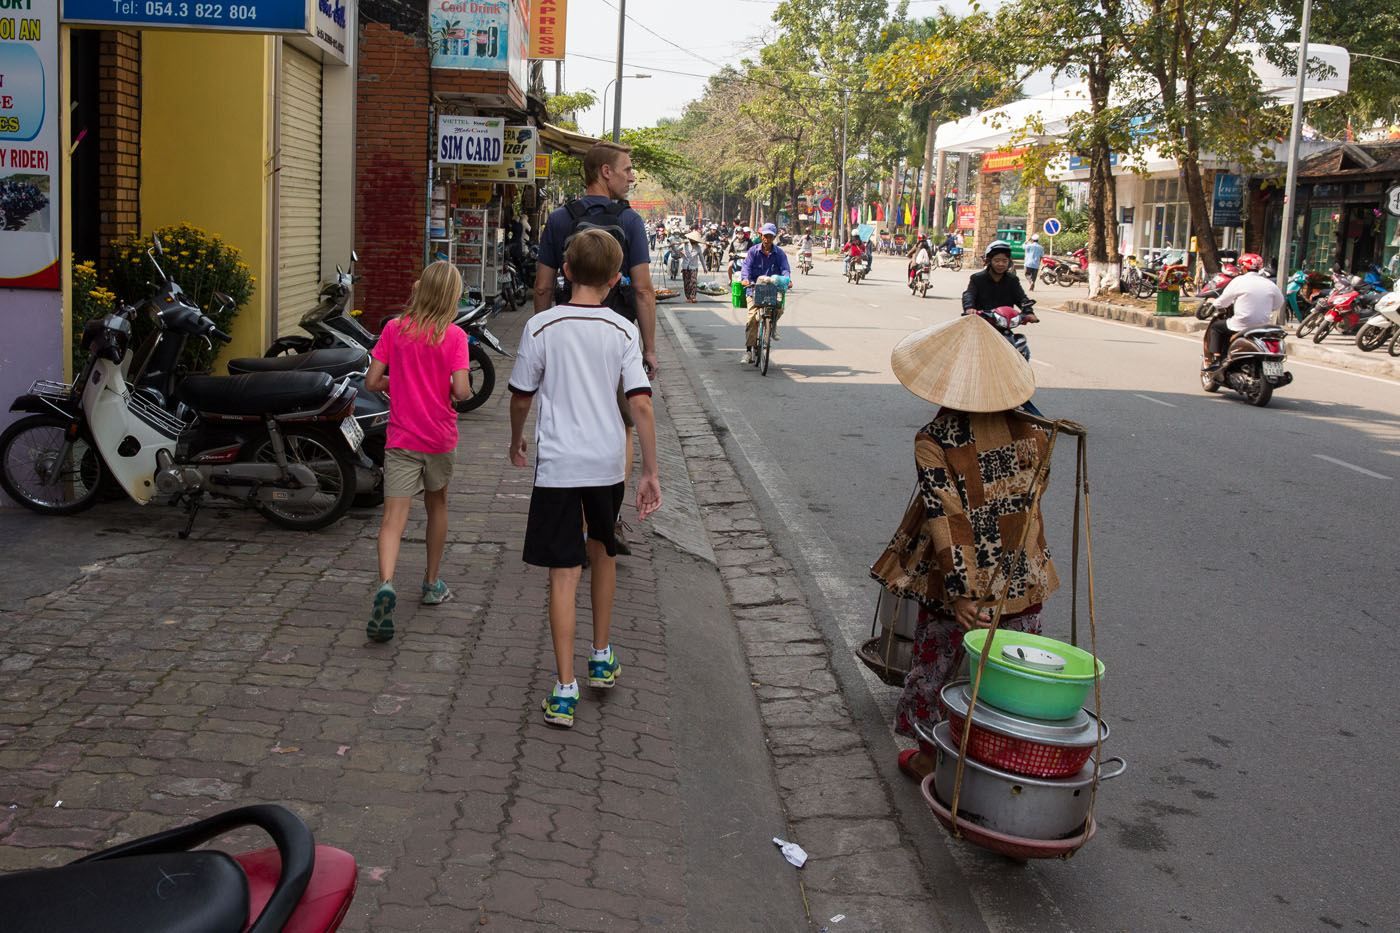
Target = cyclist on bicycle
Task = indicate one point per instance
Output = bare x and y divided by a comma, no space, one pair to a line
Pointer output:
767,258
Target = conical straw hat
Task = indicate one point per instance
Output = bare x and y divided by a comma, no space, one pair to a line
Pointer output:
964,364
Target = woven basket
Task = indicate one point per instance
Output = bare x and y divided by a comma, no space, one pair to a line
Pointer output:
888,656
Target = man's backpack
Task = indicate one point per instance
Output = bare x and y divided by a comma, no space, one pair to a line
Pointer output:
608,218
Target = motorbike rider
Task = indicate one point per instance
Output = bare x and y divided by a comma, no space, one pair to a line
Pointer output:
996,286
1255,299
920,255
767,258
853,250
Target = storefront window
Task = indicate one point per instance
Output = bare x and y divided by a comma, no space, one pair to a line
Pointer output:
1166,219
1322,236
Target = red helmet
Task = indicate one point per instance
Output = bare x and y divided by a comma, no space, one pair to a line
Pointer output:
1251,262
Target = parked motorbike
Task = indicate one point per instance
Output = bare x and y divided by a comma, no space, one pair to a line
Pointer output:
284,444
1349,304
1065,271
1383,326
1211,290
1302,291
162,884
1253,363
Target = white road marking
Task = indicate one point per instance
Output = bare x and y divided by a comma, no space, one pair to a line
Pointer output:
1043,363
847,602
1151,399
1352,466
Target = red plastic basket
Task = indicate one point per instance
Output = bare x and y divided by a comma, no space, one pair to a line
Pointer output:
1019,756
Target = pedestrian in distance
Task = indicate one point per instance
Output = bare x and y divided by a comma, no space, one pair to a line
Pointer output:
1034,253
572,358
430,362
608,176
954,548
690,265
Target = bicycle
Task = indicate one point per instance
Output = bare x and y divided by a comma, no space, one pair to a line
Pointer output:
767,298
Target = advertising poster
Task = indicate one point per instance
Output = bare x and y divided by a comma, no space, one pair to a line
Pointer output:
1228,200
967,216
29,154
471,34
1004,161
547,21
470,140
517,165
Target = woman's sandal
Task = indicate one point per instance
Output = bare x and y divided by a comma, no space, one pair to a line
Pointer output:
906,764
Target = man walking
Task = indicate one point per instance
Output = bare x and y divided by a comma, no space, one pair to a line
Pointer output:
1034,254
607,176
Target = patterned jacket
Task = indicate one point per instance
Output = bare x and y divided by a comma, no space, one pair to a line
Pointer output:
970,508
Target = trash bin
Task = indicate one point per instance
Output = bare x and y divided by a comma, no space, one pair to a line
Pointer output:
1169,301
736,295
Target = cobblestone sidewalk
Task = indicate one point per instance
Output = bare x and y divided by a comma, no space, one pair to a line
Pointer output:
162,681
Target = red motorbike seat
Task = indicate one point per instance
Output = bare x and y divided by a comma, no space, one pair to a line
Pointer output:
326,900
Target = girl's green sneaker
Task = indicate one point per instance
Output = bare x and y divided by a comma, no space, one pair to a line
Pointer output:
381,617
435,593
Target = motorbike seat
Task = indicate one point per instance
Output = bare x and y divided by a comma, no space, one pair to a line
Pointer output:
256,393
335,362
1264,330
154,893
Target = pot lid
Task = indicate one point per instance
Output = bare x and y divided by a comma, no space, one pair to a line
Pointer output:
1076,732
1035,658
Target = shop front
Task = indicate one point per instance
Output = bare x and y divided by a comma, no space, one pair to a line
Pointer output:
1348,209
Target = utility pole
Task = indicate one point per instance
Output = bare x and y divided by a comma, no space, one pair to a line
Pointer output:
842,219
929,141
1286,234
617,101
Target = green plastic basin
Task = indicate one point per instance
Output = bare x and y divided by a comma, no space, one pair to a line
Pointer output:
1016,688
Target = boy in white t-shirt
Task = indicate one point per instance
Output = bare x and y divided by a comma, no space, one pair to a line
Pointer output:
571,356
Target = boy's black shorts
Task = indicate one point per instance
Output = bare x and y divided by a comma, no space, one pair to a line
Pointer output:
554,530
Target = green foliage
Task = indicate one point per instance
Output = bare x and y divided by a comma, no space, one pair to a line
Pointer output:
90,299
1373,94
1067,241
201,263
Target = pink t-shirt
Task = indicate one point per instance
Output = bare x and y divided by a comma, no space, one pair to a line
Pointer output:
421,416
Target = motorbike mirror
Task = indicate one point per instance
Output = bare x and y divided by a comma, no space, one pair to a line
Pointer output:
224,299
354,256
155,239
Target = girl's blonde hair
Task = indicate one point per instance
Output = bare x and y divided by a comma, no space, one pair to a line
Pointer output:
433,304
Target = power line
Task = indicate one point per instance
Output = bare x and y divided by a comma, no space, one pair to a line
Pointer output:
658,35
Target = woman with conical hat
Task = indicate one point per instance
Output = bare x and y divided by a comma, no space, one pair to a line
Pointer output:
975,462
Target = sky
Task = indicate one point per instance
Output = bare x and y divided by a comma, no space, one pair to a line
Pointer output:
697,37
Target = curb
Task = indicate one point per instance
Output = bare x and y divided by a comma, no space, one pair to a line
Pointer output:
1385,366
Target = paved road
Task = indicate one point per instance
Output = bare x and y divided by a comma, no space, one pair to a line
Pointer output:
1243,566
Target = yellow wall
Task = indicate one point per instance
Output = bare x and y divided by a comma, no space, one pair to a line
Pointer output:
206,147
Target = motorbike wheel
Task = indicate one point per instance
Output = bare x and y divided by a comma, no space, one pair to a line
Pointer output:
1313,319
290,346
1209,384
482,378
33,443
957,264
1146,288
1372,337
325,451
1050,276
1206,310
1395,344
1259,390
923,289
1188,288
1323,330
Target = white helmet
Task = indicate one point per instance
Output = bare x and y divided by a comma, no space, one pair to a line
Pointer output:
1035,238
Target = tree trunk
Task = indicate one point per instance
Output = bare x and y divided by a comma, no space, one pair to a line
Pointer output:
929,140
1103,227
1200,213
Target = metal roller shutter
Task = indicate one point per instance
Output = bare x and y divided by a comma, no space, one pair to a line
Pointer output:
298,188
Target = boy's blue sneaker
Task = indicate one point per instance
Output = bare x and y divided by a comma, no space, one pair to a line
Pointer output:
559,710
604,673
381,617
435,593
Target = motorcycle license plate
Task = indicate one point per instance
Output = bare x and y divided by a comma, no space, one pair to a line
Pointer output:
354,434
1273,369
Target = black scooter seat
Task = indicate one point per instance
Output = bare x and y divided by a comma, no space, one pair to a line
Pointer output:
256,393
1263,330
170,892
337,363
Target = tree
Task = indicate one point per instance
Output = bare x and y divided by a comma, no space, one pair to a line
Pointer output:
1373,94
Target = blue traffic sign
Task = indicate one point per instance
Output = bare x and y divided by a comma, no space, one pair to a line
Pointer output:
827,205
243,15
1052,227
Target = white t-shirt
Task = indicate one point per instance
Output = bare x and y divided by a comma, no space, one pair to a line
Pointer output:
1254,298
570,358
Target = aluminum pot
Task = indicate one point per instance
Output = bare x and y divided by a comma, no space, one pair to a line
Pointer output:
1033,808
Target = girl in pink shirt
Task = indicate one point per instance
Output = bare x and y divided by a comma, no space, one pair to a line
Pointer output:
430,363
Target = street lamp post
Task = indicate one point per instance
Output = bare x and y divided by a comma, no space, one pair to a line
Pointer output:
617,101
617,132
1286,233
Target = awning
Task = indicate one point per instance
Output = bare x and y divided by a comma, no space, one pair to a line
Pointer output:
562,140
